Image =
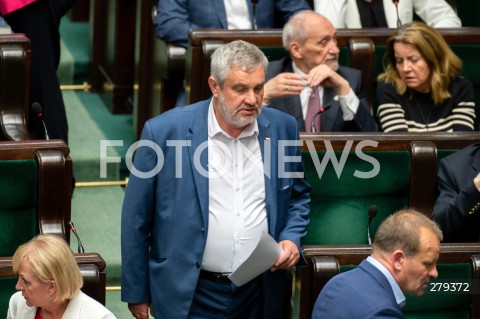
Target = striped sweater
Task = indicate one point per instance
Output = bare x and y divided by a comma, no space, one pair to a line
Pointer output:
416,112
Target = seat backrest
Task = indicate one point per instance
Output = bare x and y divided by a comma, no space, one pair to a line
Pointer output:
92,267
349,172
14,86
346,180
36,188
458,263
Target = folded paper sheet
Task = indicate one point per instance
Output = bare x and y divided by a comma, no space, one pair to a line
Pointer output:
262,258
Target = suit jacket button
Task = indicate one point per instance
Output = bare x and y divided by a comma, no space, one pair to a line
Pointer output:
198,264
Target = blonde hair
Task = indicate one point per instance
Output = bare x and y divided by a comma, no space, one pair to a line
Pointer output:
444,65
50,258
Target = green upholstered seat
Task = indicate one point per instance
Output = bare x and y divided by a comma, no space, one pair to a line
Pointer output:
8,288
274,53
18,203
339,207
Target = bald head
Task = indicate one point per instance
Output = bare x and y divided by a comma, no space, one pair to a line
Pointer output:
311,40
301,26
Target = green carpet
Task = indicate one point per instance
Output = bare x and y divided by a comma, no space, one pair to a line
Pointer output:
96,214
96,211
76,39
85,136
66,69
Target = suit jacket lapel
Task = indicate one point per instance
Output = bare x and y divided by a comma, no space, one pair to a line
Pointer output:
198,135
293,105
329,116
268,147
475,164
220,12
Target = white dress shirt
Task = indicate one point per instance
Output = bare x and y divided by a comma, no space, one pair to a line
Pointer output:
237,206
399,296
237,14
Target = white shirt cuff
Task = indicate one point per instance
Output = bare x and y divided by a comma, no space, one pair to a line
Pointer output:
349,105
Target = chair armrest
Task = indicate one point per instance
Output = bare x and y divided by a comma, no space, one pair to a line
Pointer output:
55,192
14,86
172,60
423,181
92,267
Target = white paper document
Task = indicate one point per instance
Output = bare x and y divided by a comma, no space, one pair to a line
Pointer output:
262,258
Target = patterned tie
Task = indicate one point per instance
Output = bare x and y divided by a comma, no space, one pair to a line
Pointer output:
312,111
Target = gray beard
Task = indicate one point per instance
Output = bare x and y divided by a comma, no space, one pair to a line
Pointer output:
230,115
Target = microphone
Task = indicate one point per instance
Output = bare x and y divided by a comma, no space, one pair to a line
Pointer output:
37,110
74,231
322,110
254,23
399,22
372,212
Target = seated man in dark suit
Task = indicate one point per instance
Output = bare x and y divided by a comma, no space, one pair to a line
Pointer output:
175,18
404,256
311,86
458,204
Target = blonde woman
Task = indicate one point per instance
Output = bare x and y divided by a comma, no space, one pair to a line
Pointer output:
421,89
49,281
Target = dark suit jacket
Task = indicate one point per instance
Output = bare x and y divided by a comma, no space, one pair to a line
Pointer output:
363,292
457,209
175,18
165,217
332,119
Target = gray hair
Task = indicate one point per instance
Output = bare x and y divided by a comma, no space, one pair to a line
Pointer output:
294,29
236,54
402,231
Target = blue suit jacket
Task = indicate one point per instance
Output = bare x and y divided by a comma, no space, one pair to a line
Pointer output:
363,292
332,119
175,18
165,217
457,209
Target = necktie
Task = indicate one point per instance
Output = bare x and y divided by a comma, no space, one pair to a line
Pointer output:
312,111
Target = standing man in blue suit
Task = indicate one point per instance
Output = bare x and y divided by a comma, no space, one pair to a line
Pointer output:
207,180
313,67
404,256
175,18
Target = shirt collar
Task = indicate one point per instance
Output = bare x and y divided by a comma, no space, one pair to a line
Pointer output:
399,296
214,128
